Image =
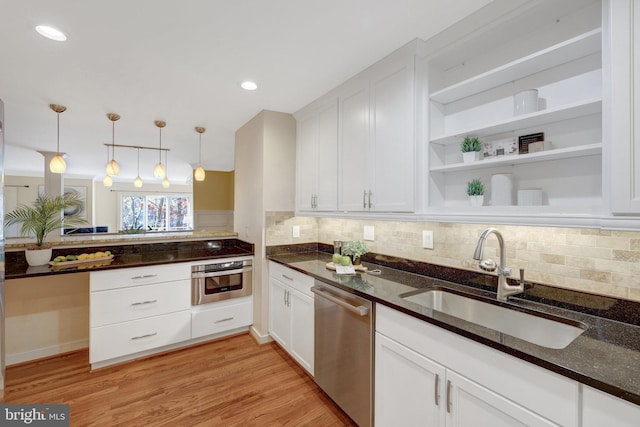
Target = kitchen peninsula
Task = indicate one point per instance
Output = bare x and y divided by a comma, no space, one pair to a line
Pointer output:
47,309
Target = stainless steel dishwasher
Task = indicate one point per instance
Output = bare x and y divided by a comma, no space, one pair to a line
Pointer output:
344,350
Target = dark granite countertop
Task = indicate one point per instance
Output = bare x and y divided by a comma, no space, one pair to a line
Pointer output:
606,356
132,255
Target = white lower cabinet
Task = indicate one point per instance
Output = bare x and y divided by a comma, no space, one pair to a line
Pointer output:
291,313
221,316
601,409
426,376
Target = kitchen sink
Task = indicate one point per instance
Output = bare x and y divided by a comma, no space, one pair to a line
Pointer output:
544,330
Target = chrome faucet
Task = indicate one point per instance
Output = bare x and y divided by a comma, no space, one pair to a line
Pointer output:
504,289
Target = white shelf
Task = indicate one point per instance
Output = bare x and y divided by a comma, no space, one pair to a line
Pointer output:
518,159
538,118
561,53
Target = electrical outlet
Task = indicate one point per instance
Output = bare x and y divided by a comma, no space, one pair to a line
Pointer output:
296,231
427,239
369,233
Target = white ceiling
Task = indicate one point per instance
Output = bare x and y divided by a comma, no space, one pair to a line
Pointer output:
182,61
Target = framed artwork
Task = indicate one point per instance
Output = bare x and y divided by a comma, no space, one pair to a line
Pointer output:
71,189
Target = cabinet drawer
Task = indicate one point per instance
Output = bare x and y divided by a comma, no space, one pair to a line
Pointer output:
290,277
108,342
121,305
221,318
125,277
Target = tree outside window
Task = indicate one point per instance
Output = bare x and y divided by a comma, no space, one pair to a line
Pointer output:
156,212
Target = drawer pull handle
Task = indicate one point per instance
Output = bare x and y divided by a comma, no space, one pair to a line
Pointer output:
145,302
287,277
146,276
223,320
145,336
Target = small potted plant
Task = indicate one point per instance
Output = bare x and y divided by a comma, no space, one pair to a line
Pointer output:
471,149
355,249
42,217
475,191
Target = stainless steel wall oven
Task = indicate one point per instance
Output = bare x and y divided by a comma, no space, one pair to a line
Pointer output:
221,279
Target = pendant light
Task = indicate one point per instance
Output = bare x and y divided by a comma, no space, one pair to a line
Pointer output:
113,168
199,173
107,181
165,182
159,171
138,181
57,163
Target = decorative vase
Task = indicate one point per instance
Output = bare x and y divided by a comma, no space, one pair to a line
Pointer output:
36,257
471,156
476,200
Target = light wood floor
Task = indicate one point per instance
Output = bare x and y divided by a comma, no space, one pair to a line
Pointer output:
230,382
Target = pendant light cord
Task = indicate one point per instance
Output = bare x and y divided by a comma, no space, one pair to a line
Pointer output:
200,150
58,133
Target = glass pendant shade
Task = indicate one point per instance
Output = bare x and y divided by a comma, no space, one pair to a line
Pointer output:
199,174
113,168
159,171
137,182
166,183
107,181
57,164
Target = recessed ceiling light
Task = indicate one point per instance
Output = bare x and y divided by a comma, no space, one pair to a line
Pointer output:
51,33
249,85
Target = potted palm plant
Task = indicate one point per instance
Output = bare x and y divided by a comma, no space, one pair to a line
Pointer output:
475,191
471,149
355,249
42,217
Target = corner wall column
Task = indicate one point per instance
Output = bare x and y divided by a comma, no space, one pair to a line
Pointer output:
53,182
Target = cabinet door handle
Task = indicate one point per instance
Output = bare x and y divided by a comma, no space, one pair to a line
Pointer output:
144,336
284,297
223,320
146,276
369,199
288,298
436,390
364,200
448,396
287,277
145,302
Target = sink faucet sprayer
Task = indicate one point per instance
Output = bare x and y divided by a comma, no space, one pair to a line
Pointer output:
504,289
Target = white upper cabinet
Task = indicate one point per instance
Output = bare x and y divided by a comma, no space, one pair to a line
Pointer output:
555,50
378,143
622,20
317,156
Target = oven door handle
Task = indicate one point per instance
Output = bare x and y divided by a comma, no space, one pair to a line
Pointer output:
360,310
204,275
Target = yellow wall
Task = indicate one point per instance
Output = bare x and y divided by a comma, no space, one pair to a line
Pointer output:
215,193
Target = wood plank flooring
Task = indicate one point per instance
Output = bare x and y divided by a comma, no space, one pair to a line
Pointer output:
229,382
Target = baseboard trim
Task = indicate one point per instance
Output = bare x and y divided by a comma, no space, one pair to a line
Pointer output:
260,339
41,353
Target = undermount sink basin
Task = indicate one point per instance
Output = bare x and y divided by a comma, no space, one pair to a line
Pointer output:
544,331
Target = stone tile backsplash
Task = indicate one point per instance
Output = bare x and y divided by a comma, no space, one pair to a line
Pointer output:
591,260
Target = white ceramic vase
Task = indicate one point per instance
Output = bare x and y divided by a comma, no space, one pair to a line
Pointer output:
471,156
36,257
476,200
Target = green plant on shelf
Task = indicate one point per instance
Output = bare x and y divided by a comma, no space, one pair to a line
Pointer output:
475,187
471,144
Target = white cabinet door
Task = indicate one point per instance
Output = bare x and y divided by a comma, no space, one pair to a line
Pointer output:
624,57
469,404
327,158
601,409
408,387
392,136
279,313
307,165
354,145
302,337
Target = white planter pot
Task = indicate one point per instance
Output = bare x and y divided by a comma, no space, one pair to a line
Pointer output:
38,256
471,156
476,200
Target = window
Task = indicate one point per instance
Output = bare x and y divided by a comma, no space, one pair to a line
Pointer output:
155,212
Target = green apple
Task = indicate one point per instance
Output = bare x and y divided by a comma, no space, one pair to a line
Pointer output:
336,258
345,260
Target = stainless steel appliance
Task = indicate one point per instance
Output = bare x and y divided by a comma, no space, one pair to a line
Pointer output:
344,350
221,279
